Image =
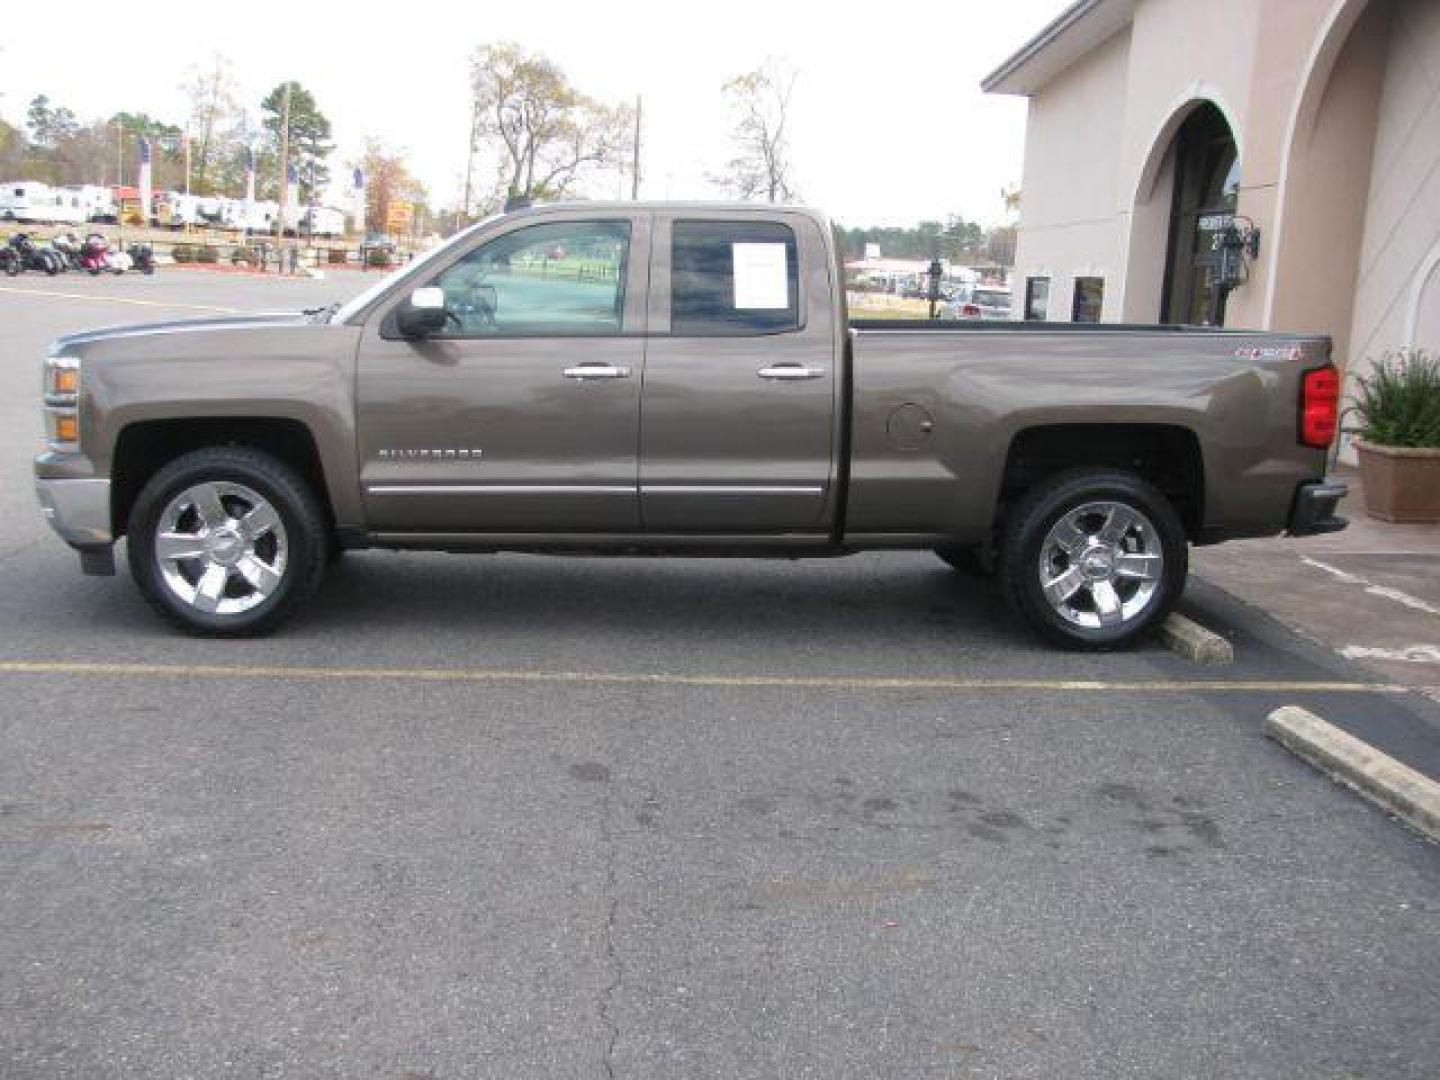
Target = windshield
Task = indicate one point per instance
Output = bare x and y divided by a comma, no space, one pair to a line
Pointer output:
357,304
992,297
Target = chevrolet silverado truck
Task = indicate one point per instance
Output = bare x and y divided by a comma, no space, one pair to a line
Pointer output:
674,379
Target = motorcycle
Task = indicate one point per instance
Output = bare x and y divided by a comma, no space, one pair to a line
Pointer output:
68,247
95,256
35,257
142,258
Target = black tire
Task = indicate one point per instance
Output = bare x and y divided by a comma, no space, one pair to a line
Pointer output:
306,530
1030,523
969,559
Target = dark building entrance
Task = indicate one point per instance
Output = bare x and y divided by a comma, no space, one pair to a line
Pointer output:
1207,185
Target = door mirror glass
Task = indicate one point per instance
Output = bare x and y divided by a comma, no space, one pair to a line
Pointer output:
422,314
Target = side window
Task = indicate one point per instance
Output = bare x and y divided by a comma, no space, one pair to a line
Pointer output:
733,278
558,278
1037,298
1089,299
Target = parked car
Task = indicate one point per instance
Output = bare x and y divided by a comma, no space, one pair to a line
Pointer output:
978,302
488,397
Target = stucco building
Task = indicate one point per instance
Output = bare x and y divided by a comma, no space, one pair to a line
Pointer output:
1156,124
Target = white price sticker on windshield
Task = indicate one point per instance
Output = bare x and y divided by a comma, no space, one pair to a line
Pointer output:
761,278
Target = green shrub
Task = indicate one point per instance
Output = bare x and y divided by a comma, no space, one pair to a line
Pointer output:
377,257
207,253
182,253
1398,403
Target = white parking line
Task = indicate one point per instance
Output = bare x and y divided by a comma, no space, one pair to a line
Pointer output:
1382,591
119,300
1410,654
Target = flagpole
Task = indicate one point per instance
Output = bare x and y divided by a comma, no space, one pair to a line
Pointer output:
284,167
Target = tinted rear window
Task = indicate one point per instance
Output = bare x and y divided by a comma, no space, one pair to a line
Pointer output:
733,277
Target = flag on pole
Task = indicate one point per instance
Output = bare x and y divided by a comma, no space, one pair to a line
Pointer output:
359,196
249,178
144,183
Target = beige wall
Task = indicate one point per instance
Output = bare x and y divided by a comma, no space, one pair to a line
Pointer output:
1316,240
1338,125
1068,225
1397,296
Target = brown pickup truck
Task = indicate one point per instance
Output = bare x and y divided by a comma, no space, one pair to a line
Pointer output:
678,379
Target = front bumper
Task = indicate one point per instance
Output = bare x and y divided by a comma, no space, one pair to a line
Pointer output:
79,510
1314,509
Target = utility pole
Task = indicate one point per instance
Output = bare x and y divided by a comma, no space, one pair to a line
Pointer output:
635,154
284,167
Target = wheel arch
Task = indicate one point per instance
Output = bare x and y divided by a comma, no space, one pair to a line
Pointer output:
144,447
1167,456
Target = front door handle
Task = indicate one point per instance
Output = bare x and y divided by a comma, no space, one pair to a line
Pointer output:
790,371
594,370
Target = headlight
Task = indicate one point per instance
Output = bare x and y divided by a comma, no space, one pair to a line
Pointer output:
62,381
62,398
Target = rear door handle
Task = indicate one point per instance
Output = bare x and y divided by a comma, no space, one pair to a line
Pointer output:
597,371
790,371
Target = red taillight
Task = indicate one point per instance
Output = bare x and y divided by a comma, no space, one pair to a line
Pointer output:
970,311
1319,406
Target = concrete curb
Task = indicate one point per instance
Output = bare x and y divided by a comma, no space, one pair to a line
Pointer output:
1392,785
1192,641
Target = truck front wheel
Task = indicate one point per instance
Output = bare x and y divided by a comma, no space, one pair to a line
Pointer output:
227,542
1092,558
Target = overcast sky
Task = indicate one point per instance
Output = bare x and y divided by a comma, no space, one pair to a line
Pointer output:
889,124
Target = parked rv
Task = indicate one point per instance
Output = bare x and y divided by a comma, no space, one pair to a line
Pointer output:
30,200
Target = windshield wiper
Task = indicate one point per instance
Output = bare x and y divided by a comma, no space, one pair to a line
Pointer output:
322,314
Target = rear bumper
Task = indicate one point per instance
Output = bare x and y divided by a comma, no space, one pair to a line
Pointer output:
1314,509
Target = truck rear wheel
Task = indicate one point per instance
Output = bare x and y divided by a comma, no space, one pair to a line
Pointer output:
1093,558
227,542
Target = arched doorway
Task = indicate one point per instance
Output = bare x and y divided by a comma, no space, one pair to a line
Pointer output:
1206,189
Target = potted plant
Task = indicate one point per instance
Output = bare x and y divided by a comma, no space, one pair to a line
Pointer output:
1398,406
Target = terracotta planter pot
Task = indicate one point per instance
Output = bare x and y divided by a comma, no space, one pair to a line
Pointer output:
1401,483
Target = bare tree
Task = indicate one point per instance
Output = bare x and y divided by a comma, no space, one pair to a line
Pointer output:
760,100
214,112
387,182
546,135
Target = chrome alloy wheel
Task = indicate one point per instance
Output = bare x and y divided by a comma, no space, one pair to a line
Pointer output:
221,547
1100,564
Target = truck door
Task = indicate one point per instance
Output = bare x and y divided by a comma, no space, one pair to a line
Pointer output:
738,420
523,414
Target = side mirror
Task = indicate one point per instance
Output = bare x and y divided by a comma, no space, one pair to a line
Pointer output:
422,314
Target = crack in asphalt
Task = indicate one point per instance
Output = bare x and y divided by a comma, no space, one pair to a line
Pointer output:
612,959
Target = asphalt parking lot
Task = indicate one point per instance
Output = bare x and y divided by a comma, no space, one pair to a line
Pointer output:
522,817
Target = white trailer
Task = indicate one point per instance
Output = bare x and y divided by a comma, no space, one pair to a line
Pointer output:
32,201
97,203
322,221
238,214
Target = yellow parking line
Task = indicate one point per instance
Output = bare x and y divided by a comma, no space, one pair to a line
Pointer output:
119,300
662,678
